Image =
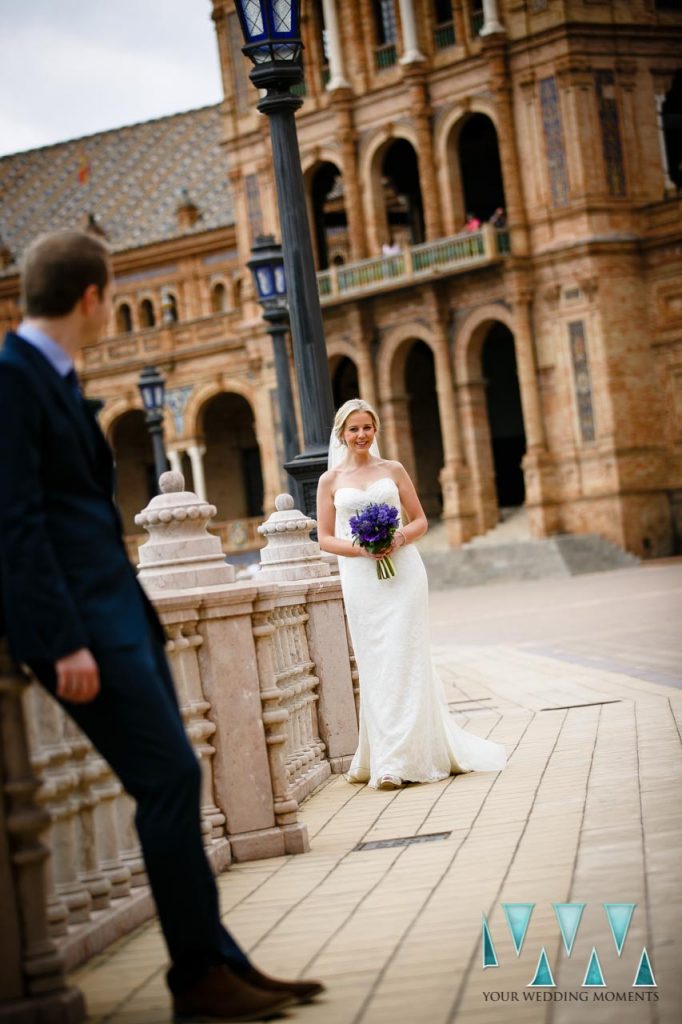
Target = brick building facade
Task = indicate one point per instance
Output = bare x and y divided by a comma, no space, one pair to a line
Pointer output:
535,357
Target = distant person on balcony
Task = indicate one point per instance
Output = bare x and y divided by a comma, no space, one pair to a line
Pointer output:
499,218
391,247
472,223
76,615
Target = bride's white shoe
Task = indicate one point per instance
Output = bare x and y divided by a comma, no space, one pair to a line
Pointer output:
390,782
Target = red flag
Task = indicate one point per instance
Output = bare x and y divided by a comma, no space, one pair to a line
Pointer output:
84,168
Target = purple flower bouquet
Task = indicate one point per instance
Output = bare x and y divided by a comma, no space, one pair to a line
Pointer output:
373,528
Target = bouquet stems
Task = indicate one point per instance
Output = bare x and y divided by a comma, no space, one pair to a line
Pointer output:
385,568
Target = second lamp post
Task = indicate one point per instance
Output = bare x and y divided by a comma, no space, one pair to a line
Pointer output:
273,42
267,266
152,388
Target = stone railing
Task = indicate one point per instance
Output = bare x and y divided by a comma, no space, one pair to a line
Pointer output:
447,255
152,342
265,682
235,535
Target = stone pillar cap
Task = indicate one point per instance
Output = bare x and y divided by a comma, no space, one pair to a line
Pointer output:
290,554
180,554
174,502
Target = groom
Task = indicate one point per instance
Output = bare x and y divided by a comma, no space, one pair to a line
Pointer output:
76,615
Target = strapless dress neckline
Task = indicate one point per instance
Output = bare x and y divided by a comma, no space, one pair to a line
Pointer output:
364,490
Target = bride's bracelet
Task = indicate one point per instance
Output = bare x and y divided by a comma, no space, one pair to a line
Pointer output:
401,534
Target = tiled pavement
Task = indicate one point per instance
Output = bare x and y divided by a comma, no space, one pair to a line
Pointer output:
589,810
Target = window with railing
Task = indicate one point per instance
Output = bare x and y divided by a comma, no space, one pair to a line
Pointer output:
477,17
444,26
386,31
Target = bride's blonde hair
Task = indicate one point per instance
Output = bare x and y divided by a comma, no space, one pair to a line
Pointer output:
347,409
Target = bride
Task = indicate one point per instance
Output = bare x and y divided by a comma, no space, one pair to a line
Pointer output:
406,731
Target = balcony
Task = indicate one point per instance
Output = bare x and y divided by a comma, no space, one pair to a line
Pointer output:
456,254
444,35
385,56
218,330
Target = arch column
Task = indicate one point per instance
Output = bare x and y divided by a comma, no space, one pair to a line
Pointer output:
494,48
366,375
349,167
337,77
455,479
412,54
537,465
491,18
195,453
428,185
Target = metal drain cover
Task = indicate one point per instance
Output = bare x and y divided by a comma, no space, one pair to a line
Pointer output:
382,844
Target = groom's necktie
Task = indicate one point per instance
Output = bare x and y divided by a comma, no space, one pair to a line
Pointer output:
74,384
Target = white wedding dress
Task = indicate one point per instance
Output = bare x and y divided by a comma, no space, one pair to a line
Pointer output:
405,726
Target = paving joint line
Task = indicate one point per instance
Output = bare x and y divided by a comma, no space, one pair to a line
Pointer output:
647,912
467,970
396,949
330,938
571,883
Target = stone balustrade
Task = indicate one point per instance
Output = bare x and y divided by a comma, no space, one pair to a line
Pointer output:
266,684
457,253
147,345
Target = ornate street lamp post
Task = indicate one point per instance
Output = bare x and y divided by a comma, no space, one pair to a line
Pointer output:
267,266
273,42
152,387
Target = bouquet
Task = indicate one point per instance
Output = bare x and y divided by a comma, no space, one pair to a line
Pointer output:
373,528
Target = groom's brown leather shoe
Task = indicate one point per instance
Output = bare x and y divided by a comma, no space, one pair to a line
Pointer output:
222,995
303,990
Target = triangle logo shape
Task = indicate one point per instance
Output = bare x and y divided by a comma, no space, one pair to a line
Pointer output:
518,916
619,917
645,976
489,954
568,915
594,977
543,975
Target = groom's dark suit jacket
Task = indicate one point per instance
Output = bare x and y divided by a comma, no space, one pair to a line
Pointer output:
65,576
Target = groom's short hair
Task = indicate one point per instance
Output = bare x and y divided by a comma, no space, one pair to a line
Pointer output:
57,268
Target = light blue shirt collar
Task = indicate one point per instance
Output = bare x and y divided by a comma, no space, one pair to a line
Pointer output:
57,357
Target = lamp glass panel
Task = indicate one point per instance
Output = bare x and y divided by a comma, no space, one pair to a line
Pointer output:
264,280
280,282
253,17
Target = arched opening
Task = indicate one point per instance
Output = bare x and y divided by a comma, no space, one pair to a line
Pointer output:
330,224
385,22
219,298
124,319
672,130
345,383
147,318
232,464
480,168
420,386
402,194
505,415
169,307
135,483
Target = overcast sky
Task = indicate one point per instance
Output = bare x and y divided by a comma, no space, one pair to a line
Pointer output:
73,67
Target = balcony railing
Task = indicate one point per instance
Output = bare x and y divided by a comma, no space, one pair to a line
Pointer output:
444,35
477,22
154,342
455,254
385,56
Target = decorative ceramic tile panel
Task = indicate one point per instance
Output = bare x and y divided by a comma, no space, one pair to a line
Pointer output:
253,206
581,378
610,132
554,141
